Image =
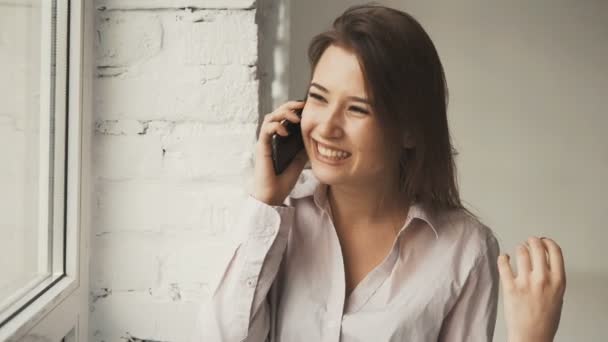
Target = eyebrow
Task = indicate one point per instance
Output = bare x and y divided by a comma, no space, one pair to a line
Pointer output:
355,98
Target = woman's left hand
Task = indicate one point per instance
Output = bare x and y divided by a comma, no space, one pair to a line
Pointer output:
533,298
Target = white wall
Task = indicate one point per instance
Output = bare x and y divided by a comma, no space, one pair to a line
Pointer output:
528,82
176,111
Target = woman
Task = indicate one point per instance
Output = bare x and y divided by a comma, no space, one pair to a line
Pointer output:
374,244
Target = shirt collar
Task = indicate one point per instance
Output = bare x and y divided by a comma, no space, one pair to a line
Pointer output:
308,185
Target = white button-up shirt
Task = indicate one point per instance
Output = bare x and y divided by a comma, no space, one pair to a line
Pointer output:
284,280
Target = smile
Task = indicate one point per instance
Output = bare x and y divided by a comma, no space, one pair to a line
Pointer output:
326,154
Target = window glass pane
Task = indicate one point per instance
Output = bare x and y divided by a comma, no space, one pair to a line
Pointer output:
24,145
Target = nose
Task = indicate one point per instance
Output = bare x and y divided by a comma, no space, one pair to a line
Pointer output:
330,126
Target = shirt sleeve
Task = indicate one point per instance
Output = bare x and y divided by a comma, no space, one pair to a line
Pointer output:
473,317
237,309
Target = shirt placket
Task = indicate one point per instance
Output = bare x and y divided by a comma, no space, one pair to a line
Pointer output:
335,302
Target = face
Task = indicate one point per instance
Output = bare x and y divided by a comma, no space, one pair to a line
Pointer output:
338,116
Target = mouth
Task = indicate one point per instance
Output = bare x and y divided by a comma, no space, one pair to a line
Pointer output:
328,155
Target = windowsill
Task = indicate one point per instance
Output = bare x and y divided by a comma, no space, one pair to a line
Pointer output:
25,320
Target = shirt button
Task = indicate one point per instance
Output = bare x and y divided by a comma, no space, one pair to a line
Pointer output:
269,230
251,282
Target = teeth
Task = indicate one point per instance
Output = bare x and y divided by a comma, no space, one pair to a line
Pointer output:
332,153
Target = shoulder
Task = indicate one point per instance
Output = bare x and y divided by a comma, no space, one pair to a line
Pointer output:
470,237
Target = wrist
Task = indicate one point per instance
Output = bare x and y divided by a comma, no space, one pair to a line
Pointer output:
517,338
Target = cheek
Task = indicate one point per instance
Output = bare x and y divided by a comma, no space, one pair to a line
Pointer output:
371,146
305,126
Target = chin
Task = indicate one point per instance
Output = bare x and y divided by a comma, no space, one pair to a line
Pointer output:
326,175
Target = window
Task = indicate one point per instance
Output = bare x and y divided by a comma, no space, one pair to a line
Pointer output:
40,174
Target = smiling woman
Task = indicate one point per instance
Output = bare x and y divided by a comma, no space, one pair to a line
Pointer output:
374,243
382,63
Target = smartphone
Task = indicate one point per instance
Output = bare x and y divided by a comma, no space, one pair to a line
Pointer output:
284,149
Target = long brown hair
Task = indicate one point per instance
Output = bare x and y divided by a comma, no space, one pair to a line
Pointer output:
406,84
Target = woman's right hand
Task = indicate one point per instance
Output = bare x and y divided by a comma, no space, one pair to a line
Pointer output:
270,188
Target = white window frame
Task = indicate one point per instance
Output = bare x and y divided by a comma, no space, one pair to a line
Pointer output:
59,309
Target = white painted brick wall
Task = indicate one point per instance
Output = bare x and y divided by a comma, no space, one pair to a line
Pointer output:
176,111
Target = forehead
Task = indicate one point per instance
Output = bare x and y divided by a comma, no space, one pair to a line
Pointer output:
339,71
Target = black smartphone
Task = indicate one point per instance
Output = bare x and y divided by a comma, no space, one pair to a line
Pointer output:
284,149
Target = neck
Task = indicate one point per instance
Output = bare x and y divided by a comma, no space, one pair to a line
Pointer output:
361,206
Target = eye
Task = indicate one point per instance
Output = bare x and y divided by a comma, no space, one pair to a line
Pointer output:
359,109
316,96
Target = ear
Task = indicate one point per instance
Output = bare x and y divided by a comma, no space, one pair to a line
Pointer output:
408,141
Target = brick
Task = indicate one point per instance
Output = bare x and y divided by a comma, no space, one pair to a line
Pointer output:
228,39
203,152
211,94
205,71
194,258
127,157
125,39
173,150
127,260
154,206
137,315
170,266
122,127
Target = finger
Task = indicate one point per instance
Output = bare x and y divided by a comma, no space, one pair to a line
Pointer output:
276,127
538,255
266,132
292,117
556,260
523,261
505,271
281,116
290,106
